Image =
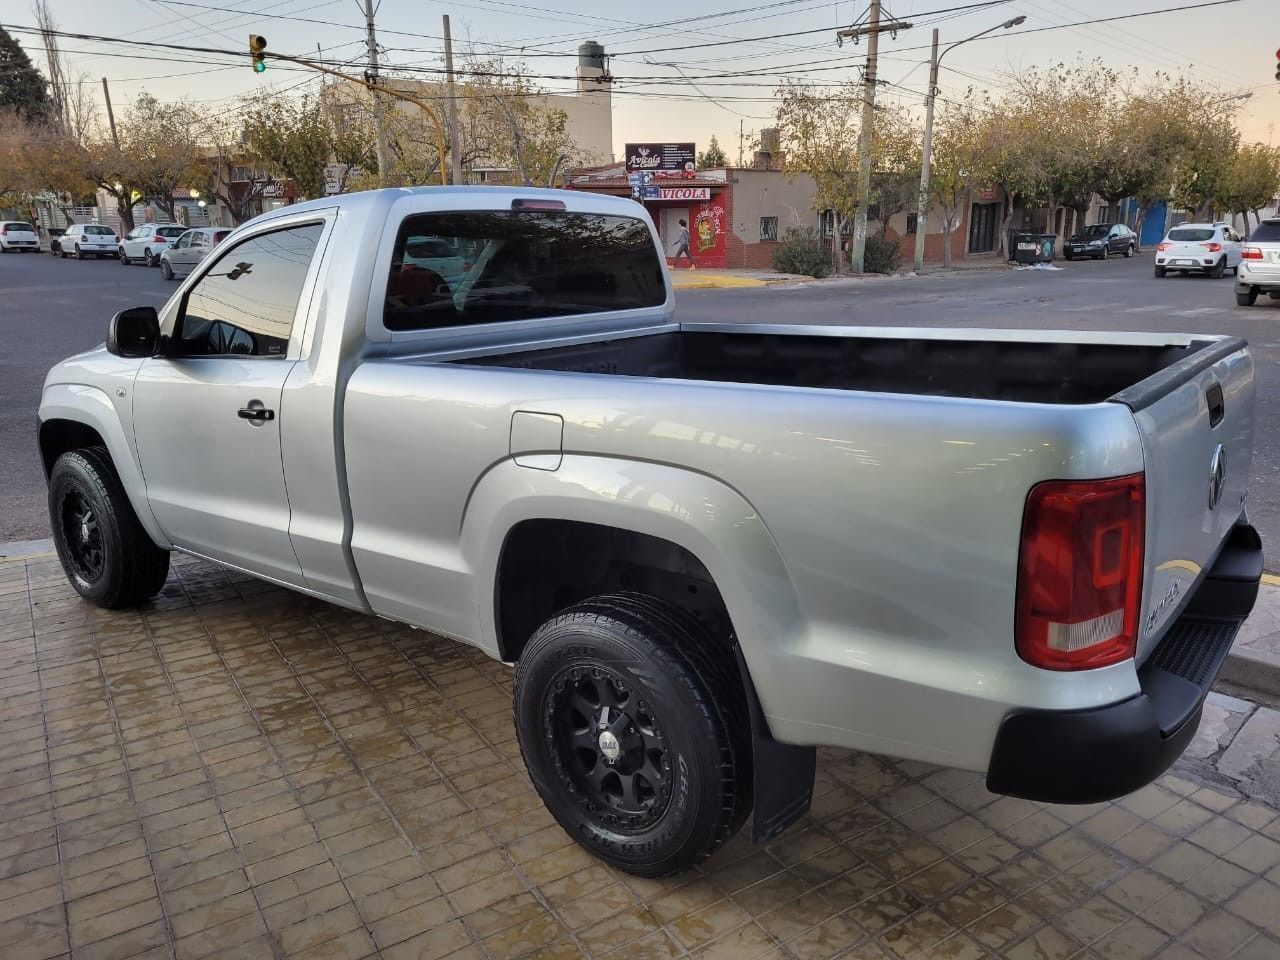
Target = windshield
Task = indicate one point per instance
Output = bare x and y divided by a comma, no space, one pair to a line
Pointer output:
99,231
1191,234
1097,230
1268,231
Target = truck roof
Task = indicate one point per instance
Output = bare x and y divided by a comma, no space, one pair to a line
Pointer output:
491,195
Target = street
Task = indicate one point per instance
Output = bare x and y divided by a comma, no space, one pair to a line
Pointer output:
58,307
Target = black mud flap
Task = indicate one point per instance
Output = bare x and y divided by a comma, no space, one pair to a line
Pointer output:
783,774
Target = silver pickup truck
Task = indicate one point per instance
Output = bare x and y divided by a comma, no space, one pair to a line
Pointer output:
707,549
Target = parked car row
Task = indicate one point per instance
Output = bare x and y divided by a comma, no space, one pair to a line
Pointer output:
174,249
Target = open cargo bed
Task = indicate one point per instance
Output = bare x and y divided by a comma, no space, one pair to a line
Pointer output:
995,368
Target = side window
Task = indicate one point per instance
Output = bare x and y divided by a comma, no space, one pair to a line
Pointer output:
244,306
197,240
183,240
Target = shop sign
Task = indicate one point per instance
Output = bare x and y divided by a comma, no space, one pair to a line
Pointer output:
684,193
662,159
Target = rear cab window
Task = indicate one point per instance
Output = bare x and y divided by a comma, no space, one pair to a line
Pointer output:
461,268
1268,231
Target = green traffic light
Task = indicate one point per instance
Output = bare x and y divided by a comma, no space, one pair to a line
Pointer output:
260,66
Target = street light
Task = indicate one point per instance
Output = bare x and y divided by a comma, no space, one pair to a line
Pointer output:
922,204
195,194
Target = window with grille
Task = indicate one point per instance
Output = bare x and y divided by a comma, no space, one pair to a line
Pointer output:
768,229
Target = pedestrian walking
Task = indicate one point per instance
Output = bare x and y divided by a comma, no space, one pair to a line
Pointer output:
682,246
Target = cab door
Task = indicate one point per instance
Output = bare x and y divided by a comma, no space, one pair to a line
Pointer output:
207,414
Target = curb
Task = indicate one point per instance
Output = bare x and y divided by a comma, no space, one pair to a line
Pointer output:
26,549
1251,669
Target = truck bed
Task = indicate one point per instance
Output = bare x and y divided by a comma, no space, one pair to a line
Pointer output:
1030,371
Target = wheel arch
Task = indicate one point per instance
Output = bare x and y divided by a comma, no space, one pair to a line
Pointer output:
73,416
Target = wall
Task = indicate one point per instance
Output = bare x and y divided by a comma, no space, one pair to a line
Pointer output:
763,193
897,230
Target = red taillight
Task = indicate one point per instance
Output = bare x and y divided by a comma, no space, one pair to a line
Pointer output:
540,206
1251,253
1080,573
1162,246
158,239
4,230
1212,247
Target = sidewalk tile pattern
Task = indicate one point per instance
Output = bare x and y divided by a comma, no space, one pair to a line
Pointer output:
242,772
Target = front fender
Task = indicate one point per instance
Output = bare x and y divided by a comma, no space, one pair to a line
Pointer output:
697,512
81,403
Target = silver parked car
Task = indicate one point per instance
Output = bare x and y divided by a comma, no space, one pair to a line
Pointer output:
707,548
146,242
181,256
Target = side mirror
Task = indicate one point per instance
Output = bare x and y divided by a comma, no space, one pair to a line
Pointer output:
134,332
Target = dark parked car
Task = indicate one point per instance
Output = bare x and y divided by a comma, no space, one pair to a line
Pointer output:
1100,240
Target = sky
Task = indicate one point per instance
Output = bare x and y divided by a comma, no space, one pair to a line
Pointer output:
664,94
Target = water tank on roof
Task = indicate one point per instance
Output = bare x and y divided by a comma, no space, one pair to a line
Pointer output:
591,55
770,141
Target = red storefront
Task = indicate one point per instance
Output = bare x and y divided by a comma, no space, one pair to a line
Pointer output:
701,202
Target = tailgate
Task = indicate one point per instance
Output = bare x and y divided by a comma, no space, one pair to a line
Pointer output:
1196,422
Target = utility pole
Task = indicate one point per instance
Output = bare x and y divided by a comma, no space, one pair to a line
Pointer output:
111,117
451,107
922,205
872,32
380,131
739,144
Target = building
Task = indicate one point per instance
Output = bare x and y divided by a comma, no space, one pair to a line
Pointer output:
588,109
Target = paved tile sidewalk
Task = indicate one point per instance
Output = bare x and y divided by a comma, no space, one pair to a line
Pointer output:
242,772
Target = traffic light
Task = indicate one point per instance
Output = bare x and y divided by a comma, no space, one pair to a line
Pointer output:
257,44
1278,64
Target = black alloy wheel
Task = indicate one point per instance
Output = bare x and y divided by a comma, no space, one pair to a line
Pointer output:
609,747
82,535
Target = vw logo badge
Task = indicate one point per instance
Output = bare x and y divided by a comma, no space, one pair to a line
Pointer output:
1217,476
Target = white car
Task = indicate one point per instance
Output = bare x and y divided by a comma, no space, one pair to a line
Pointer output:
435,254
181,256
18,235
85,240
1259,270
145,243
1211,248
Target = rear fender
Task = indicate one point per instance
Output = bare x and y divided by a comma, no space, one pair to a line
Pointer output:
704,516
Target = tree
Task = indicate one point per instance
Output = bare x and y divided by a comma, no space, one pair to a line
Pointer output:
22,87
1252,179
895,170
292,137
114,169
161,139
963,157
225,149
819,132
713,156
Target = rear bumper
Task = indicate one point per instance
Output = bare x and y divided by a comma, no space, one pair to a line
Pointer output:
1086,756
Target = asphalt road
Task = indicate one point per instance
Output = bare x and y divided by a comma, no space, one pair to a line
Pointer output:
51,308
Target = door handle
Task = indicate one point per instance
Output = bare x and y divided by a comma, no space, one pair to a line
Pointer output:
256,413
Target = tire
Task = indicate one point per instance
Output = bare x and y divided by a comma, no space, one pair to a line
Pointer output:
1160,272
147,258
679,711
124,260
1246,299
1128,251
1066,256
166,271
106,554
79,252
1106,252
1218,269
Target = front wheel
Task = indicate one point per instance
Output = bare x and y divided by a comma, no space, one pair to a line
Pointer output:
1160,272
108,557
634,727
1106,253
1066,256
166,271
1246,299
124,260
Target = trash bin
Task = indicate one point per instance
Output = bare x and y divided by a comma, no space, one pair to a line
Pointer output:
1034,247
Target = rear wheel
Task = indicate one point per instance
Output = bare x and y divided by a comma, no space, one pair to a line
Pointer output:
1218,269
106,554
1160,272
79,252
1128,251
1246,299
635,731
